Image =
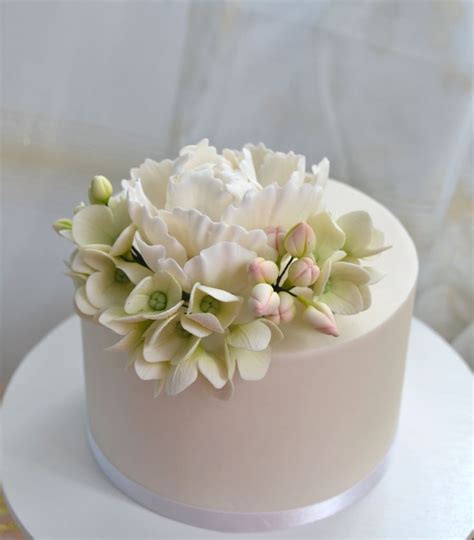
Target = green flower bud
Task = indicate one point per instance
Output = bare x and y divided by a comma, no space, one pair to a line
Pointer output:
158,301
121,276
79,207
209,305
63,224
100,190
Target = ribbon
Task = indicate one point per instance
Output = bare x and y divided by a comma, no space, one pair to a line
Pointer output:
220,520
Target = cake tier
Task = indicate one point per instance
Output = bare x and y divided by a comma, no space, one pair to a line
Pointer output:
322,419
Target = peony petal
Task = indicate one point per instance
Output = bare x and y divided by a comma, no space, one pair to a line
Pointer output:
223,266
276,167
211,367
199,189
275,206
82,302
154,232
154,180
254,336
321,172
253,365
196,231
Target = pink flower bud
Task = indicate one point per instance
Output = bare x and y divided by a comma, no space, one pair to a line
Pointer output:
303,272
321,318
262,271
276,239
263,300
285,311
300,240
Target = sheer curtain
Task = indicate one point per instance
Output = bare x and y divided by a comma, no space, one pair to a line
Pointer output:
382,88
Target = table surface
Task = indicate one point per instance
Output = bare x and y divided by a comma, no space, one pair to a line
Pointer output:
55,489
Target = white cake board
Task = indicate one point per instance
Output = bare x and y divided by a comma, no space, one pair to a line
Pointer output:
55,489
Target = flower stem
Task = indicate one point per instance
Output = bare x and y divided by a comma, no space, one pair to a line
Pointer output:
283,272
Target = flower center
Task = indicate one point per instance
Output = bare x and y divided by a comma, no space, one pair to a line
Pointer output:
121,276
209,305
158,301
181,331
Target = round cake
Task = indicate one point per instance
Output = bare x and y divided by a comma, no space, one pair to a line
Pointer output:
306,440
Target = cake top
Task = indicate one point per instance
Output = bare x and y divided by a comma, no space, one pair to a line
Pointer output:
199,263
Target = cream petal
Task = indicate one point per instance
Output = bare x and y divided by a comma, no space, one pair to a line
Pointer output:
277,334
321,282
276,167
253,365
230,360
82,302
350,272
181,375
148,371
118,205
151,254
223,266
154,179
78,265
211,367
275,206
254,336
375,275
199,326
138,299
219,294
103,291
124,242
195,155
329,236
117,320
366,297
98,260
134,271
95,224
129,342
67,234
200,190
196,231
344,298
321,172
358,228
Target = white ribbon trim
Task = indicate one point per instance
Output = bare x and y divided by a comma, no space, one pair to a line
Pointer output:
220,520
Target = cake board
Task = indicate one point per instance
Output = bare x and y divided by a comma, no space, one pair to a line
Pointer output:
56,490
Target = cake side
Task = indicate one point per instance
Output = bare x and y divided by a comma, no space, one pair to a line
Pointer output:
321,420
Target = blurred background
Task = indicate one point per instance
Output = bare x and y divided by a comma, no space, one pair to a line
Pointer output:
382,88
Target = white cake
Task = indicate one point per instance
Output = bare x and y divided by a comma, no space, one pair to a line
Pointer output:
323,418
308,439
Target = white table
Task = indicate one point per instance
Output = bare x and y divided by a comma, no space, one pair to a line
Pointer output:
55,489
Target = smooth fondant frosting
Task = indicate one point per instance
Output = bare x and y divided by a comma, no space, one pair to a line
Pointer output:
320,421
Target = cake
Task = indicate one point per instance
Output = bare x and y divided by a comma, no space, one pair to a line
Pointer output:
245,327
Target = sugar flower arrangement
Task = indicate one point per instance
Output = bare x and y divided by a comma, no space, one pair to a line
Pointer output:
198,262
